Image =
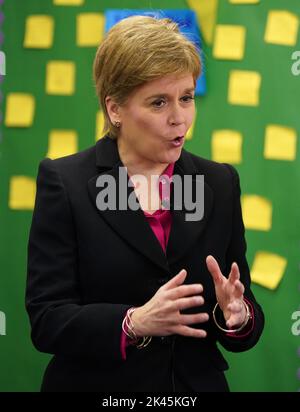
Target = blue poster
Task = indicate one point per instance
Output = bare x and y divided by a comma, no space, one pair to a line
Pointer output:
186,20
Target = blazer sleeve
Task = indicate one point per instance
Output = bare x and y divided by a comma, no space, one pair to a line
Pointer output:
237,253
60,323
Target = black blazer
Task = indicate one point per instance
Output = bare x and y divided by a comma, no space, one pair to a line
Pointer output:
87,267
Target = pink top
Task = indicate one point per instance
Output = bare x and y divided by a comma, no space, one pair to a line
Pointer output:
160,222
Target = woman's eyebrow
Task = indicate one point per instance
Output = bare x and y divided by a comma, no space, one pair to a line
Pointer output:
189,90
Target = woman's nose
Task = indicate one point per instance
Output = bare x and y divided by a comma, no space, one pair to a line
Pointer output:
176,116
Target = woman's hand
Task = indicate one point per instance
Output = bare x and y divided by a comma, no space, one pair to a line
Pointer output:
161,316
229,293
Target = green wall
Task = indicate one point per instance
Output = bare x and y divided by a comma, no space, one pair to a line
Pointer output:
272,365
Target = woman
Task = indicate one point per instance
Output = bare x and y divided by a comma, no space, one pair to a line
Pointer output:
135,298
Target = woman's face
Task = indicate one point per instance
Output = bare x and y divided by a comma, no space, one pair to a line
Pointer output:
156,118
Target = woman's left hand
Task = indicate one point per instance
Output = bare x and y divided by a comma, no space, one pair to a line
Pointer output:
229,293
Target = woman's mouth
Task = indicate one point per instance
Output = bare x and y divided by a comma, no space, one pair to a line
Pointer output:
178,141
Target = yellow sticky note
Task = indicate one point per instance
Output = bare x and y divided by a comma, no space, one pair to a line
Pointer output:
99,125
62,143
282,28
60,77
229,43
190,131
68,2
280,143
257,212
206,12
268,269
244,87
39,31
22,190
90,29
244,1
20,108
227,146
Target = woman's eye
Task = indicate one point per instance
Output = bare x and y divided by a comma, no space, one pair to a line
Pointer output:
158,103
161,102
188,98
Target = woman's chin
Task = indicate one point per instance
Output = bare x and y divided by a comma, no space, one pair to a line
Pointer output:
173,155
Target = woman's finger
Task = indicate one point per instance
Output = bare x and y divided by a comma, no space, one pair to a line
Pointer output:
195,318
236,306
234,273
239,288
235,319
176,280
214,269
186,303
188,331
184,290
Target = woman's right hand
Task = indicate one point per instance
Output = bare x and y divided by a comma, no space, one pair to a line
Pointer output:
161,316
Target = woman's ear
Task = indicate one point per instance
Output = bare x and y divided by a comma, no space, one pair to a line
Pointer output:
112,109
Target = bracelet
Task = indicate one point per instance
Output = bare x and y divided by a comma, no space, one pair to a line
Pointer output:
248,316
145,342
128,329
127,325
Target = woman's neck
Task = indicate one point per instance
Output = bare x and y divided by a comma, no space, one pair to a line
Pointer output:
139,166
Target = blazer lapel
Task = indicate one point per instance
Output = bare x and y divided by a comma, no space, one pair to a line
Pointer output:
185,233
132,225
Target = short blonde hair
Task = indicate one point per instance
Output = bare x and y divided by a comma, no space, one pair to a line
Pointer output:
136,50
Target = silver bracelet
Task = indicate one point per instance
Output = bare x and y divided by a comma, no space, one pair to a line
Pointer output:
128,329
248,316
